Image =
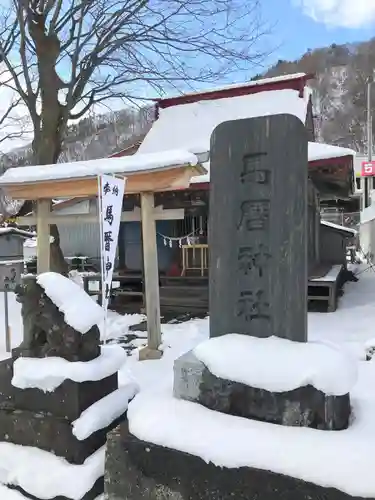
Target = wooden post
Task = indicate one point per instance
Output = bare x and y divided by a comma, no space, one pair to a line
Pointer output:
151,277
43,235
8,345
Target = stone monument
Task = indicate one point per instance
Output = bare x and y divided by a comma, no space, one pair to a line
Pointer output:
258,267
44,419
258,289
258,228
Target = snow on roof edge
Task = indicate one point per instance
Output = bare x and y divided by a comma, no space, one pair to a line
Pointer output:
321,151
16,231
337,226
147,162
252,83
325,151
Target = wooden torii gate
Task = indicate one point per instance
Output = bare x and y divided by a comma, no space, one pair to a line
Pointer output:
44,183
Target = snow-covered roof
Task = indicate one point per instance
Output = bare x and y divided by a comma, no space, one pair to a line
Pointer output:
189,126
316,151
14,230
80,169
319,151
33,242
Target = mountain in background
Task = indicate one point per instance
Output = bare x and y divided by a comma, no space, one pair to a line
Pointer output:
339,96
93,137
339,90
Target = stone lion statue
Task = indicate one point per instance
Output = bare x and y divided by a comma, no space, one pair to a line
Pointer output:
46,333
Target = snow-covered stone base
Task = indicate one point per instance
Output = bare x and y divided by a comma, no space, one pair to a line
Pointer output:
269,379
278,365
341,460
139,469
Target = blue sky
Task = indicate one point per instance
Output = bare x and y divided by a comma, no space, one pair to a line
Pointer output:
303,24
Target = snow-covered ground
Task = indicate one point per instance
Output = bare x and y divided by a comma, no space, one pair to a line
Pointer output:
350,327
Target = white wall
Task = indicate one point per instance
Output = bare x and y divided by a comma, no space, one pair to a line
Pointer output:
367,231
83,207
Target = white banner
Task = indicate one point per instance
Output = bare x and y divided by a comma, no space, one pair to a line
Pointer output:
110,196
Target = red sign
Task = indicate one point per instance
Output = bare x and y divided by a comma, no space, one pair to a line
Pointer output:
368,169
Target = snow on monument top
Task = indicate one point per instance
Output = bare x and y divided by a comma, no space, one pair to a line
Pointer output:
80,311
278,365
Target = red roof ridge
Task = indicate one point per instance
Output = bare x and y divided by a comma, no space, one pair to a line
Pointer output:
296,81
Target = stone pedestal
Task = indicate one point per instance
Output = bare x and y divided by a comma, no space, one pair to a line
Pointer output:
32,417
48,433
43,420
143,471
68,400
303,407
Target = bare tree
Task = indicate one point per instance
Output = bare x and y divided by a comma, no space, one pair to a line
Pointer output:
65,57
12,126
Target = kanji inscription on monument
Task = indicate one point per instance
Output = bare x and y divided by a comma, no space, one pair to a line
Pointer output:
258,228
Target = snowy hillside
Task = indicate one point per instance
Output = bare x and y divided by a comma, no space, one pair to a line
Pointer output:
340,87
94,137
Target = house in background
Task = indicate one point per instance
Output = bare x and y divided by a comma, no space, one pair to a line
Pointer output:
187,122
11,243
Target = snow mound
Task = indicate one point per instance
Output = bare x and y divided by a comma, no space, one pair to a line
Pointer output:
47,476
80,311
49,373
278,365
103,412
8,494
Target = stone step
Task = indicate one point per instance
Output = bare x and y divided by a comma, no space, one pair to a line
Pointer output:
184,301
184,293
49,434
184,281
138,469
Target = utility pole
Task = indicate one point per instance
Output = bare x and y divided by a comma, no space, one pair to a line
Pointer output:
369,139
